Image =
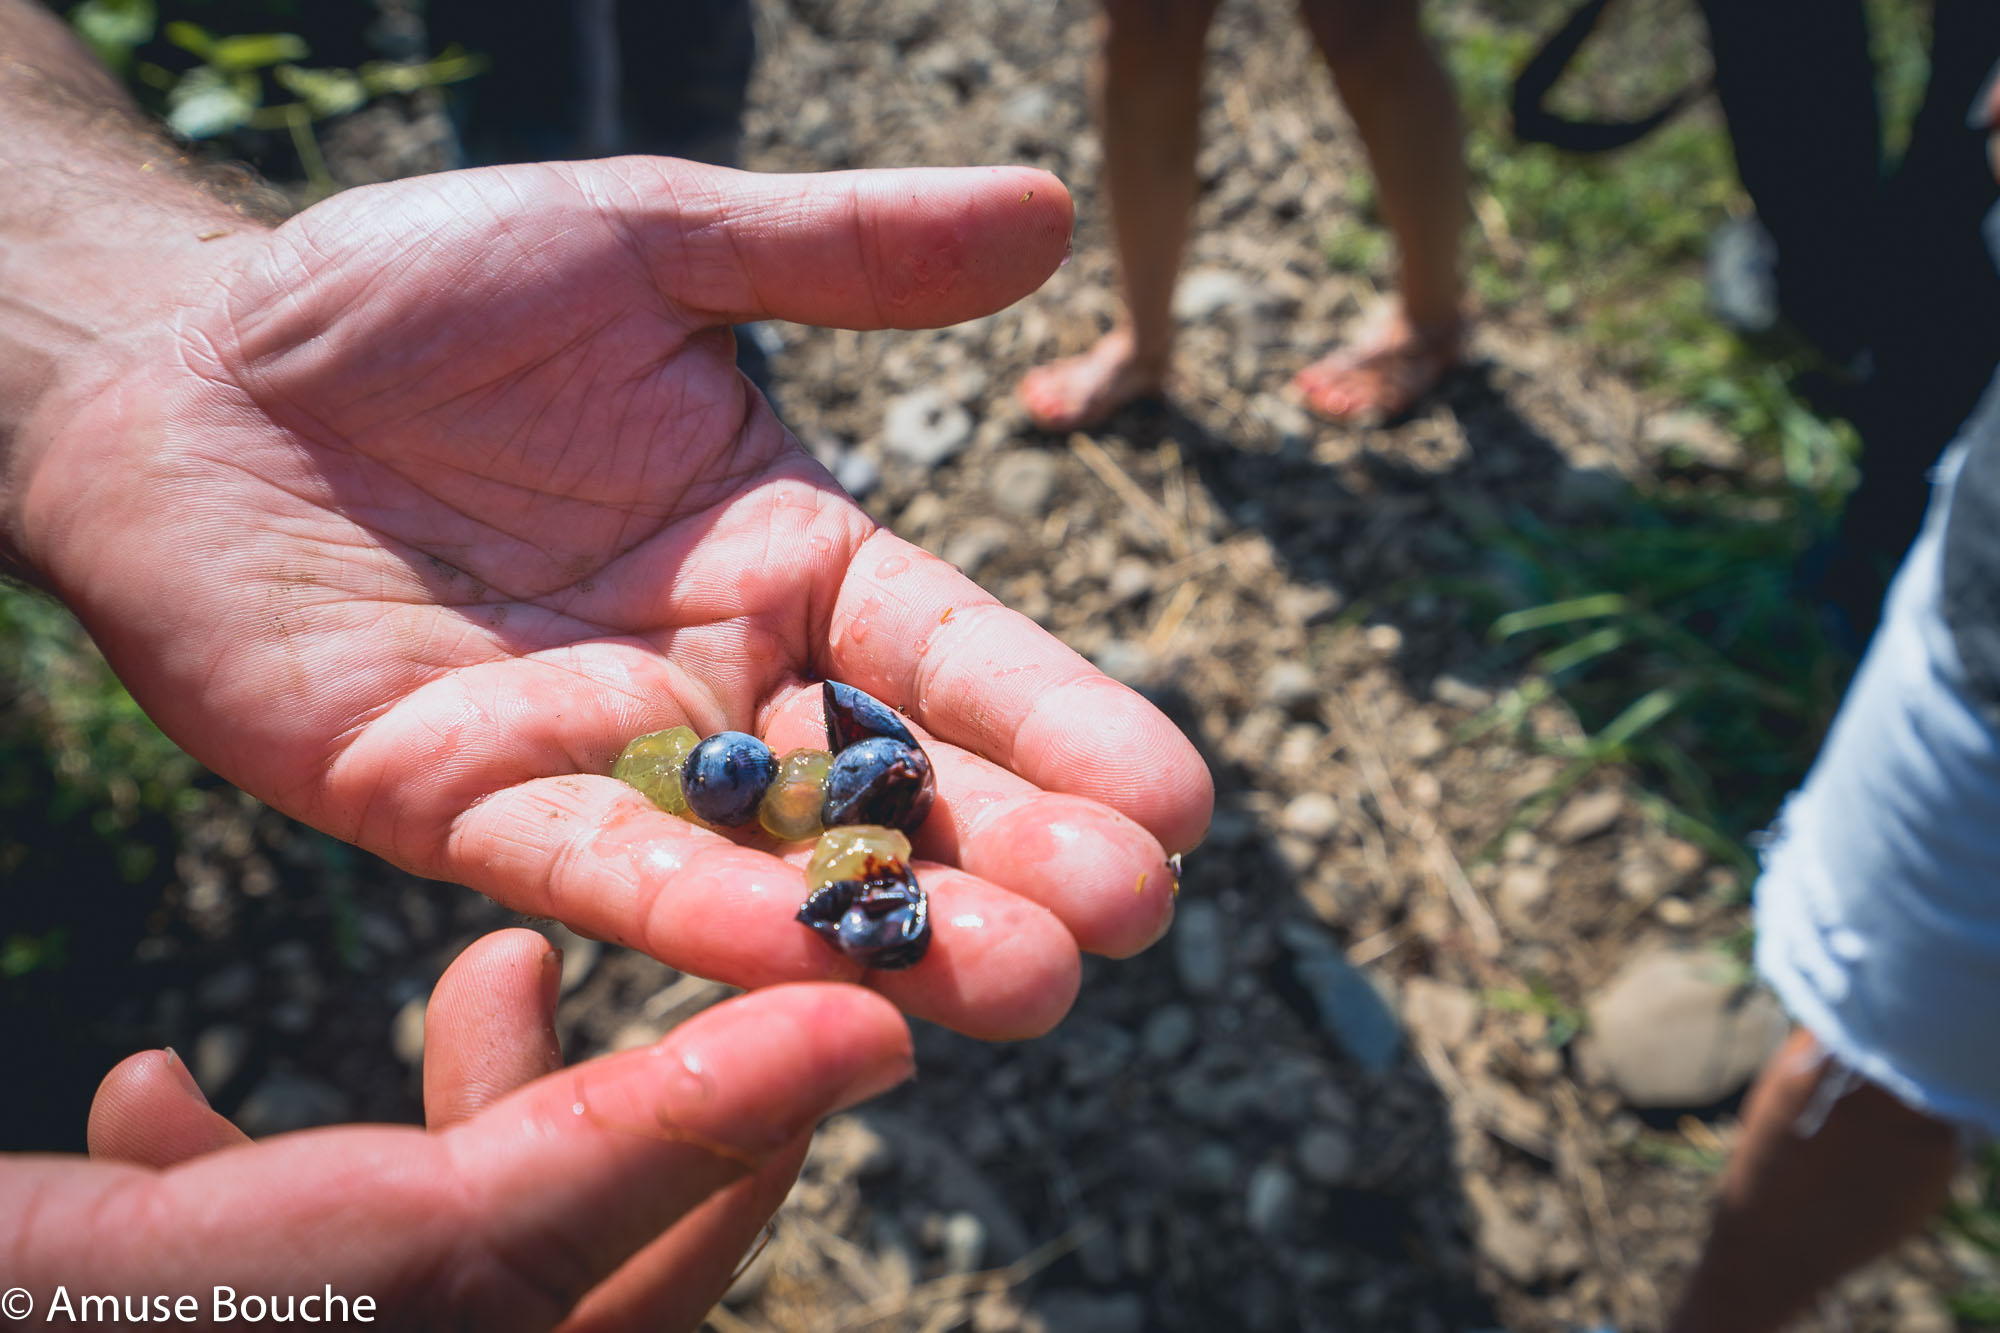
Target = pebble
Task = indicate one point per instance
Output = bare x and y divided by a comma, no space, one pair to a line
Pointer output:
1066,1310
1587,816
1326,1156
1511,1243
406,1031
219,1052
1351,1010
1448,1014
1291,687
283,1102
1093,1051
1455,693
1212,1167
1681,1028
1312,814
1167,1034
1522,890
1209,291
963,1242
976,543
857,473
231,988
1201,947
1022,483
1270,1200
925,428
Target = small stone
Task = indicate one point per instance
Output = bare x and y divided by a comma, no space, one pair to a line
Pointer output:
1093,1051
963,1243
1678,1028
284,1102
1326,1155
1270,1200
1383,640
857,473
976,543
1291,687
1209,291
1023,482
406,1031
219,1052
1455,693
231,988
1167,1034
925,428
1066,1310
1448,1014
1522,889
1675,912
1587,816
1131,580
1510,1243
1124,661
1201,947
1312,814
1351,1010
1212,1168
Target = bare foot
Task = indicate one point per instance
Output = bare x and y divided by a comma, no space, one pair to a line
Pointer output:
1080,391
1385,373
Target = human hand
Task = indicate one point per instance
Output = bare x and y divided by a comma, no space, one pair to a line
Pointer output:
516,1210
408,514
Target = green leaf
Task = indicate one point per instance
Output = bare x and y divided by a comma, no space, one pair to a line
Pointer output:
206,102
326,92
1560,613
258,51
115,28
192,38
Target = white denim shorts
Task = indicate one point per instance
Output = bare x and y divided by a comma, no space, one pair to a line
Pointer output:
1878,910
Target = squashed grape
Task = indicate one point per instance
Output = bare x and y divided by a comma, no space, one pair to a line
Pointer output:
725,776
790,810
883,923
853,852
653,762
879,781
852,715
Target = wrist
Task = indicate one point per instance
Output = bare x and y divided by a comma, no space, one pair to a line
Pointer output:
106,229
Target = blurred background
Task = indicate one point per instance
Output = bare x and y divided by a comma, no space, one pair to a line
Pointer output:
1497,697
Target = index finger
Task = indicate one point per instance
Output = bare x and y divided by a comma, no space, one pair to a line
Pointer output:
912,630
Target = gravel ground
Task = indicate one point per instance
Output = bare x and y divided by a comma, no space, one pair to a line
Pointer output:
1341,1094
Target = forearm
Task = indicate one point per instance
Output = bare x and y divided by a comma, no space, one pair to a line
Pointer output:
103,225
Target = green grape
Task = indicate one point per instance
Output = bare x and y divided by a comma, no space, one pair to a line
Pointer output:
652,763
791,805
855,851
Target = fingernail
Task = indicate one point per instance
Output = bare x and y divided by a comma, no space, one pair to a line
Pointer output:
183,1075
551,979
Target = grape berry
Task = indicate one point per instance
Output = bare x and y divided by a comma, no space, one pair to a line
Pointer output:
860,796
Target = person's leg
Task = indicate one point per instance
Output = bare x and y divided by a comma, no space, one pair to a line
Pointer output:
1803,1203
1406,111
1147,88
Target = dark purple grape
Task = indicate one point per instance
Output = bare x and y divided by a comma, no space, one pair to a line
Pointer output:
852,715
725,776
882,921
879,781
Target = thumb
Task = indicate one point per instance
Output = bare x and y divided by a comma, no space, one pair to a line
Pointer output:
149,1111
907,249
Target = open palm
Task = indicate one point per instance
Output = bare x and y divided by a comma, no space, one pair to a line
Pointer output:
433,497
